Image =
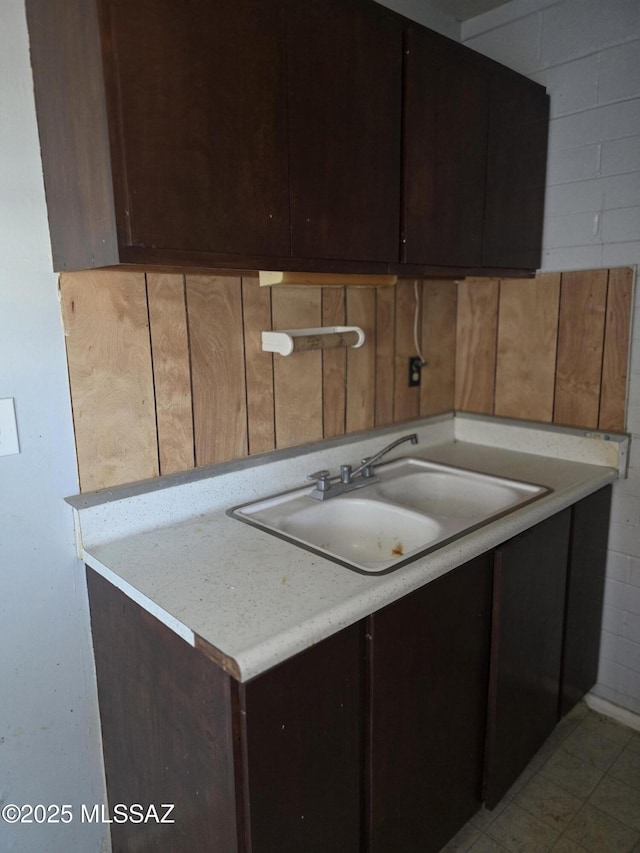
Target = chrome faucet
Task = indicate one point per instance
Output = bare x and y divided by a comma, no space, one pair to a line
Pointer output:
325,489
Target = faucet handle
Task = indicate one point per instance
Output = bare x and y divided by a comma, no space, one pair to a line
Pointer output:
367,471
322,479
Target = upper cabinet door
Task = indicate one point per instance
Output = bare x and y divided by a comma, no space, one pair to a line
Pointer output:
197,106
445,144
345,89
516,171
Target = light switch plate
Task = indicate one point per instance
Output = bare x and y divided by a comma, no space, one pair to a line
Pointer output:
8,428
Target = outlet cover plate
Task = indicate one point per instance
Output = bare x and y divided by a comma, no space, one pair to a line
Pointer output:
415,371
8,428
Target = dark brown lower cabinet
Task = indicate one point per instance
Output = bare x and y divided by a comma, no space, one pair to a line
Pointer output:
585,593
526,649
429,665
374,740
270,767
304,750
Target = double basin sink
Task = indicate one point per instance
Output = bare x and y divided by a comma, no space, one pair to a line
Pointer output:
413,507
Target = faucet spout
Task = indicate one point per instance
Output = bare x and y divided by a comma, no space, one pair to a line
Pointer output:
366,468
326,489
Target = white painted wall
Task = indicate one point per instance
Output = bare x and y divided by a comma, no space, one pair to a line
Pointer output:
49,730
587,54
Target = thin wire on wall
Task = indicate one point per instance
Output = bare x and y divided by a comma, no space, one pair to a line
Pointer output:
415,323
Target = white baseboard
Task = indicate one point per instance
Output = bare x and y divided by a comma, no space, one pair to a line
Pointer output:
621,715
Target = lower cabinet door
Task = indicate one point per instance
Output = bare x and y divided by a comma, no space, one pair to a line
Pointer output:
166,713
585,595
428,672
526,650
304,750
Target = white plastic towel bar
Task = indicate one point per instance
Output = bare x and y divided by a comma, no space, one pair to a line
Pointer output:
288,341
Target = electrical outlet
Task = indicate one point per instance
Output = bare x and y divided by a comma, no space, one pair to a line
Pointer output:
415,371
8,428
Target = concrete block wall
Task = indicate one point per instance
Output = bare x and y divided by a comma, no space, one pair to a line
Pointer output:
587,54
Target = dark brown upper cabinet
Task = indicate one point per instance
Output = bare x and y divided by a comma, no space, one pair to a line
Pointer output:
345,103
278,134
197,120
163,129
516,171
475,146
445,151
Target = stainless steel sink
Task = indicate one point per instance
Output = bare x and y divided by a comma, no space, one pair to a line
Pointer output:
370,535
413,508
450,492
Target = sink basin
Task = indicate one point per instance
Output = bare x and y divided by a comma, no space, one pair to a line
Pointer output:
369,533
447,495
429,488
415,507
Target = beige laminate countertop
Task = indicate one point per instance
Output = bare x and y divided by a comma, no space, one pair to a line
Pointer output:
252,600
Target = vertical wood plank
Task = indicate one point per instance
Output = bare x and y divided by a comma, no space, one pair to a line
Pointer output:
171,371
214,312
385,354
256,307
361,362
477,322
110,373
406,404
616,350
334,365
527,344
438,340
583,299
298,377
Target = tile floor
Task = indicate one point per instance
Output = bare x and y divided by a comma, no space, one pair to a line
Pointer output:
580,792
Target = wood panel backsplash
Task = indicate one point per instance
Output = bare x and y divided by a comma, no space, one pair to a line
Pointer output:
553,349
167,372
